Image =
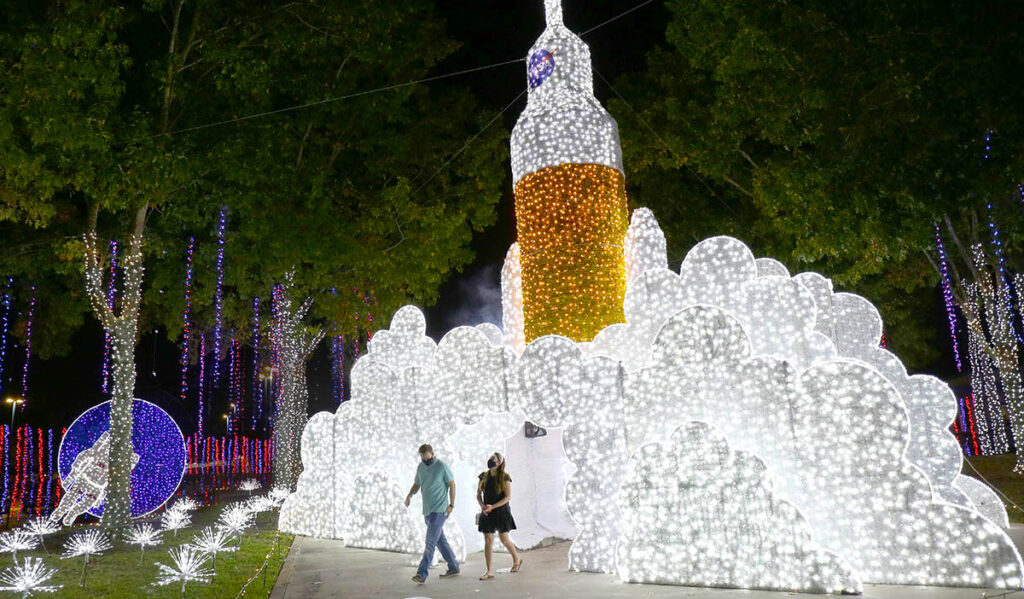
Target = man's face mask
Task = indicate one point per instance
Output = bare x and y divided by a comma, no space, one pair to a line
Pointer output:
428,461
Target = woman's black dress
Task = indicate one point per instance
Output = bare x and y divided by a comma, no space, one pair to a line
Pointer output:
499,519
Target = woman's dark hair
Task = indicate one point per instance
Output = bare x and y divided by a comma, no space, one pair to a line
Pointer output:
500,477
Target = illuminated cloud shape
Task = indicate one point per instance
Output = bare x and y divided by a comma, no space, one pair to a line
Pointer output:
304,512
770,267
645,247
556,385
512,320
698,514
778,313
930,403
405,343
860,495
984,499
347,450
730,341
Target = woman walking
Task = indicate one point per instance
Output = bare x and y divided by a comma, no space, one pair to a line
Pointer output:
493,494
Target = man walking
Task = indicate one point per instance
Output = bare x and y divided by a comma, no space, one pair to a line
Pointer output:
435,479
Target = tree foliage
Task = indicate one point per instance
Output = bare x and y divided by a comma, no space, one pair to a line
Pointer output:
831,135
107,107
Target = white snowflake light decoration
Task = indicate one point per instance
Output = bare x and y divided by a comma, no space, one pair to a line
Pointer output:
28,577
185,505
175,520
17,540
189,565
278,495
249,485
40,527
86,544
144,535
212,542
234,521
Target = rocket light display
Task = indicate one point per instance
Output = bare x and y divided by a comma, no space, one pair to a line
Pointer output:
717,417
570,194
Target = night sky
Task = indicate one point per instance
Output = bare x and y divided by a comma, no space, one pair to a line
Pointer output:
489,32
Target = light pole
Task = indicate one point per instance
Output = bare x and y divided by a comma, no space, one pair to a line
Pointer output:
15,402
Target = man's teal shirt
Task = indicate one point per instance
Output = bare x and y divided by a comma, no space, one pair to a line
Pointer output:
433,481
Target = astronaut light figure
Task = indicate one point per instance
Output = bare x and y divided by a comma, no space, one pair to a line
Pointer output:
86,485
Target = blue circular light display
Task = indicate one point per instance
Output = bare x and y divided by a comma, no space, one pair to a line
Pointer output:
157,441
542,64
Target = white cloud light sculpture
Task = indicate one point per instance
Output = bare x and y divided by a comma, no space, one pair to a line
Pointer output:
697,513
784,369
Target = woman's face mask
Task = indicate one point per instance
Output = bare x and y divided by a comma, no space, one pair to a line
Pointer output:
491,463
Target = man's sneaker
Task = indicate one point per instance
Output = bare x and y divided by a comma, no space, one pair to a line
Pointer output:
419,579
451,573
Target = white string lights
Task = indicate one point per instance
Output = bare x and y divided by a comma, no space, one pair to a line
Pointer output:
293,346
770,381
123,328
685,499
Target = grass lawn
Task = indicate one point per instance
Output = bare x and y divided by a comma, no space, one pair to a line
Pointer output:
119,574
999,471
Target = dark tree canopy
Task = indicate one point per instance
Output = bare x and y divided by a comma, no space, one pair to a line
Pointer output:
104,108
832,135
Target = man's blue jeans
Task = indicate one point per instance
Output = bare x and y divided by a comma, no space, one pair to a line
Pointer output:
435,538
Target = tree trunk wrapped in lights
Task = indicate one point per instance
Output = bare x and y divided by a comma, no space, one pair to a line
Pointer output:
294,345
123,330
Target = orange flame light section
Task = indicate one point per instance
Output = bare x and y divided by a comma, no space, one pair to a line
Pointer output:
571,224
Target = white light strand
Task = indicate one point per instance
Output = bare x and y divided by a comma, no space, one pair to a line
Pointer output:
294,345
123,329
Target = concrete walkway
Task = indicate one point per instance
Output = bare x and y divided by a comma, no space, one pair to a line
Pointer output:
321,568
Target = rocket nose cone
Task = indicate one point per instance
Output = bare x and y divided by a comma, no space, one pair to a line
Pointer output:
553,11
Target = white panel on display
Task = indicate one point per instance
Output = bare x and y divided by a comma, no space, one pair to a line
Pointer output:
539,470
699,514
787,372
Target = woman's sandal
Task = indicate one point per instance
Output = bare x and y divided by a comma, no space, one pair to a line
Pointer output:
487,577
516,566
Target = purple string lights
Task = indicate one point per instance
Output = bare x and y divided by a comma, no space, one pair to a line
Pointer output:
257,387
276,299
338,366
28,345
5,323
202,382
186,328
218,298
111,292
1005,291
947,296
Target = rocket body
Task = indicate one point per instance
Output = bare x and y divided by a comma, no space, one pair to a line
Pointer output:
570,197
